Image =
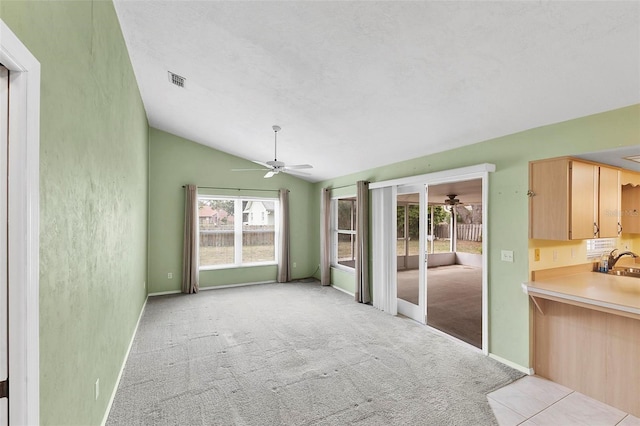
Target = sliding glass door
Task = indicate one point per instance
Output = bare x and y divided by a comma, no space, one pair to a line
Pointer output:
411,251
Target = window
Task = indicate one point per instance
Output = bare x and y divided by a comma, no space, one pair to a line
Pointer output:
344,232
596,248
227,242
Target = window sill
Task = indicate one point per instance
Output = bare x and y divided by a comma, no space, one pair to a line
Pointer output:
244,265
343,268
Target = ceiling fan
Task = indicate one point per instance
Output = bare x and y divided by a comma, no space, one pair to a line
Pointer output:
452,200
274,167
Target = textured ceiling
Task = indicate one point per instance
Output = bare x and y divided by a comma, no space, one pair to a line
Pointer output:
357,85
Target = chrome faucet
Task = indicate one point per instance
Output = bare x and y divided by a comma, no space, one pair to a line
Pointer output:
613,259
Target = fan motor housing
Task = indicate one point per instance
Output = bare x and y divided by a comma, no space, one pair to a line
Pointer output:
276,163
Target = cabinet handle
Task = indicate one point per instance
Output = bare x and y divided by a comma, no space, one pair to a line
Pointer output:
530,193
619,228
596,229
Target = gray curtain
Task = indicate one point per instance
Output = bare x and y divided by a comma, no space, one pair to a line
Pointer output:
362,242
284,263
325,237
190,247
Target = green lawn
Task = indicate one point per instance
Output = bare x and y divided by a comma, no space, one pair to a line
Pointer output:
224,255
441,246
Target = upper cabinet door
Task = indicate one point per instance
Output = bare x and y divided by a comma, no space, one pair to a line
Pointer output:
584,207
609,203
549,197
573,200
630,209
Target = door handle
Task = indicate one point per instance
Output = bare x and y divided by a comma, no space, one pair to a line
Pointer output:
596,230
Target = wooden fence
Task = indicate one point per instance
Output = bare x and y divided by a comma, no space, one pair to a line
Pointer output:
466,231
224,236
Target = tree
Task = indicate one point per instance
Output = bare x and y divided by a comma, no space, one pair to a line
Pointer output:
440,215
413,213
469,213
346,214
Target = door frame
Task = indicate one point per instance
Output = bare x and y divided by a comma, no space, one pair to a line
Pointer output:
23,235
415,312
479,171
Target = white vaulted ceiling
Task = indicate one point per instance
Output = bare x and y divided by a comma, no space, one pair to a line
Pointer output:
357,85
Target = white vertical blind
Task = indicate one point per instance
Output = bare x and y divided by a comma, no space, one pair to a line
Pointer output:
383,240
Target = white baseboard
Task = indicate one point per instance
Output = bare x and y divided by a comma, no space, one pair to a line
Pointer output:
124,363
213,287
216,287
344,291
162,293
511,364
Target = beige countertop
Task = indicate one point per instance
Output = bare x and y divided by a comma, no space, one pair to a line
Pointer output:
591,288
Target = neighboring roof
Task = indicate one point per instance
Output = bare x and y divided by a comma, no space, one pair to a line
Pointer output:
207,211
268,205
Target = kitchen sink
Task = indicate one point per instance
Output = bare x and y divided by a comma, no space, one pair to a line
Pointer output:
626,272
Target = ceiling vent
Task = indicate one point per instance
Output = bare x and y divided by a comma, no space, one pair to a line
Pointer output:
176,79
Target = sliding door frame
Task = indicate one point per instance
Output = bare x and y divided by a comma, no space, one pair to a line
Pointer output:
415,312
480,171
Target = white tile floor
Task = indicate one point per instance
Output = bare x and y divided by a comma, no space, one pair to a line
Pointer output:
534,401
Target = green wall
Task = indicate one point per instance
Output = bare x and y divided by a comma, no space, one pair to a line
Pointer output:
343,279
173,162
508,204
93,201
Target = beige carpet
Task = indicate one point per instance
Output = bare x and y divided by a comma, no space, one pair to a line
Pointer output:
454,299
297,354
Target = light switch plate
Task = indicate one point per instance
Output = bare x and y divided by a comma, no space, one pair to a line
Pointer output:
507,256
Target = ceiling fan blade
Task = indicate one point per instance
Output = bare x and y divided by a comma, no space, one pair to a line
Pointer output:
269,174
300,166
248,170
262,164
295,172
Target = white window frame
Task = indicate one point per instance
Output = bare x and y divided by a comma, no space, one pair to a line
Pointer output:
335,232
237,231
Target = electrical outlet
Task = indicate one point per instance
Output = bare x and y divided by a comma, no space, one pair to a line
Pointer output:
507,256
573,252
295,264
169,275
97,389
144,284
536,255
555,255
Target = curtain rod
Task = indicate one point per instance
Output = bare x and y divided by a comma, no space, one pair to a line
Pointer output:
340,187
237,189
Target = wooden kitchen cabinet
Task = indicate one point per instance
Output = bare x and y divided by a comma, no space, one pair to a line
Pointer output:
629,177
573,199
630,209
586,333
609,198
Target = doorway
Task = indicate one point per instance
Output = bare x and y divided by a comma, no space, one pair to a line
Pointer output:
23,213
455,260
389,240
